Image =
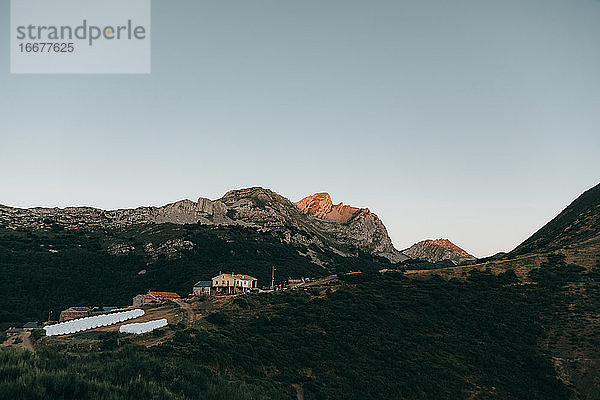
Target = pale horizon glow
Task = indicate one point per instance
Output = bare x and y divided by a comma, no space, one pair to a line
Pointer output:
476,121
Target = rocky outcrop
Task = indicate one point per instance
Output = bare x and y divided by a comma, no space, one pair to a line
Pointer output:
342,229
438,250
182,212
171,249
320,205
358,225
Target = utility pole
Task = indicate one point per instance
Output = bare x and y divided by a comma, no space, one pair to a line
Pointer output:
273,277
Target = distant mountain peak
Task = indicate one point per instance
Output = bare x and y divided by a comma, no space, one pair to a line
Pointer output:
320,205
349,224
438,250
250,192
447,244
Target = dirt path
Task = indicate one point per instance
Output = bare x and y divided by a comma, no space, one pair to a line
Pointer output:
22,340
190,314
299,391
318,282
27,345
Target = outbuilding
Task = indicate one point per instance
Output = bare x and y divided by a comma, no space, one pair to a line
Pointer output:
202,288
74,312
154,297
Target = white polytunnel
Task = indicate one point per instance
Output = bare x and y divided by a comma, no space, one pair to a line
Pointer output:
143,327
83,324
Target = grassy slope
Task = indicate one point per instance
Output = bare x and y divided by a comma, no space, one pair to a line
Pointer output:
34,280
576,224
371,337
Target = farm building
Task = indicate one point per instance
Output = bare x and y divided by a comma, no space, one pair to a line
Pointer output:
143,299
164,296
202,288
232,283
31,325
154,297
74,312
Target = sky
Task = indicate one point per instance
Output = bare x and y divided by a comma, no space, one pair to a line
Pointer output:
473,120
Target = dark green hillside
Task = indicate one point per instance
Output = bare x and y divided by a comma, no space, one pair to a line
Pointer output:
53,269
369,337
577,223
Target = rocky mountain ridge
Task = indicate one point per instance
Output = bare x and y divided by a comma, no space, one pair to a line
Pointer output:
252,207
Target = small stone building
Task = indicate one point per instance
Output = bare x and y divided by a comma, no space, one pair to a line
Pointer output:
202,288
154,297
143,299
74,312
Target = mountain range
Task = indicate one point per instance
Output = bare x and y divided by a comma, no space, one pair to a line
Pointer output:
251,229
344,233
314,223
521,324
53,252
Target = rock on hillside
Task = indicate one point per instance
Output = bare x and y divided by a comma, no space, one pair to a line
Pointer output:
438,250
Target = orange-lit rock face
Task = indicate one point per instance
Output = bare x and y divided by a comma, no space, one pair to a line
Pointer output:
438,250
321,206
445,243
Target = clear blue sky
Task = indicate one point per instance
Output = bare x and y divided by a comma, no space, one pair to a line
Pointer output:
474,120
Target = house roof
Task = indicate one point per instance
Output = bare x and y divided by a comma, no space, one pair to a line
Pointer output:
165,295
245,277
71,309
223,275
239,276
203,284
